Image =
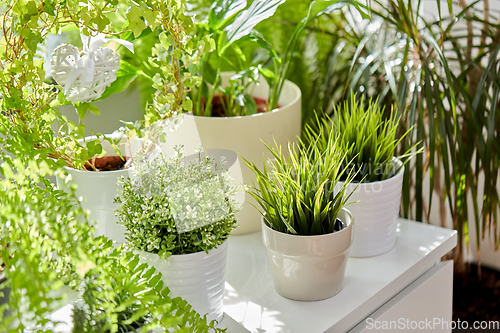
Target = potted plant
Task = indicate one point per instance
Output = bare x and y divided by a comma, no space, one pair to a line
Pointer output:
370,140
31,121
306,228
178,214
107,154
253,102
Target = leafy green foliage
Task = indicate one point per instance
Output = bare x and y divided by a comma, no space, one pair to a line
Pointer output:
441,73
29,103
174,206
46,242
369,139
300,194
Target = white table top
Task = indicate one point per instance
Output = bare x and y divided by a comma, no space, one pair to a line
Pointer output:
252,301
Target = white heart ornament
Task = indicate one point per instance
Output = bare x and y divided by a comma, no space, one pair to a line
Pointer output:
84,75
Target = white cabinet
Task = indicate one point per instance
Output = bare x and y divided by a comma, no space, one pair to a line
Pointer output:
423,306
410,280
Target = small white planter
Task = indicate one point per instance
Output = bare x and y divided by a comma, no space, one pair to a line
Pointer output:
376,215
309,268
199,278
99,190
244,135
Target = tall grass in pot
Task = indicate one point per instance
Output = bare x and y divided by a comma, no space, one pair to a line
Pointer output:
369,139
305,227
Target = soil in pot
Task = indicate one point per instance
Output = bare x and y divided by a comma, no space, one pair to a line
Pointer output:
107,163
218,102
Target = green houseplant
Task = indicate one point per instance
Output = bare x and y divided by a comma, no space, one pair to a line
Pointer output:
437,68
256,71
31,120
301,202
47,244
178,214
370,141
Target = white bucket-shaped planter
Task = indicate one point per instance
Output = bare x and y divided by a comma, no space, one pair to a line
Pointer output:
245,136
98,190
199,278
309,268
376,214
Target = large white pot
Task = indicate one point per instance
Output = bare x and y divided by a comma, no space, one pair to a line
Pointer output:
376,214
98,190
199,278
309,268
244,135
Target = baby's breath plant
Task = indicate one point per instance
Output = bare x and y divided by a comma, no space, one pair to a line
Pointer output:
175,206
368,137
298,194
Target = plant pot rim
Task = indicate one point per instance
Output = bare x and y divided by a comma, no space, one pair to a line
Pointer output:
187,255
401,171
346,228
96,172
93,137
296,99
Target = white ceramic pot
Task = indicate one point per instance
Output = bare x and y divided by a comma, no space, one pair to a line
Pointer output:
244,135
98,190
376,215
309,268
199,278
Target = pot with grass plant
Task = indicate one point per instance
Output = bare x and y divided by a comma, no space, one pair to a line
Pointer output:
178,213
306,228
369,140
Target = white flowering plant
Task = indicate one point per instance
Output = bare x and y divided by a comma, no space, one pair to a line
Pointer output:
177,205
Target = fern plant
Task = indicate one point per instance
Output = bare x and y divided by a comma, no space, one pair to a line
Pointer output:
46,242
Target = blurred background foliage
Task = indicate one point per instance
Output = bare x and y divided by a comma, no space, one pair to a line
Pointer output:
435,61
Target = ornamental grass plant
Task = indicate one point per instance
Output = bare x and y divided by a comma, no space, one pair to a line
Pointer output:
368,137
177,205
298,194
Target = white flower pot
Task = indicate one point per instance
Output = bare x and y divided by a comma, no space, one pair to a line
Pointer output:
376,215
98,190
243,135
309,268
199,278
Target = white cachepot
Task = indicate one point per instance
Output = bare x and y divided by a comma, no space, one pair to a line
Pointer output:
245,136
376,214
199,278
98,190
309,268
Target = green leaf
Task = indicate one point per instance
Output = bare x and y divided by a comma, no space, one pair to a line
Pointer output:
81,109
248,102
248,19
94,148
94,109
222,11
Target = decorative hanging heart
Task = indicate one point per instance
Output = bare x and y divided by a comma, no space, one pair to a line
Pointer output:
84,75
70,70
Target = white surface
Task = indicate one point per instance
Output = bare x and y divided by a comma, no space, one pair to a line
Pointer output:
370,282
426,305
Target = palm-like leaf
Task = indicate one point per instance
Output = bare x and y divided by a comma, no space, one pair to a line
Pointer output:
444,82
